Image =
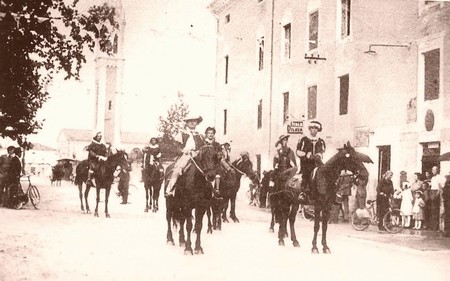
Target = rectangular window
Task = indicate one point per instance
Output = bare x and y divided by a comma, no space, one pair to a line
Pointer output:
261,53
259,125
285,107
343,100
345,18
313,30
432,71
287,41
226,69
312,102
225,121
227,18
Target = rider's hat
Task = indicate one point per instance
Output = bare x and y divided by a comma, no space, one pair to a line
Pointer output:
244,153
198,119
315,124
153,138
282,137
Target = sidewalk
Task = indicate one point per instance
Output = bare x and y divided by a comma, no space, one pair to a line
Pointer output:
421,240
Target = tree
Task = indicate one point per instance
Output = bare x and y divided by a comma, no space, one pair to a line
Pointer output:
38,39
171,125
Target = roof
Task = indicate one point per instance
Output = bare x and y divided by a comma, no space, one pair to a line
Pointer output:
38,146
126,137
77,135
136,137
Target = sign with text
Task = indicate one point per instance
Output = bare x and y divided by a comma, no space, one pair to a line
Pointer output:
296,127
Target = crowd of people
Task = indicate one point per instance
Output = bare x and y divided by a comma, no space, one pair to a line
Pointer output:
10,172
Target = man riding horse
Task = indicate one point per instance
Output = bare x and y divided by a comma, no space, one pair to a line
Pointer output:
191,141
97,152
310,149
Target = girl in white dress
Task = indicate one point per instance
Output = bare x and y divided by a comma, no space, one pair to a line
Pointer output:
406,205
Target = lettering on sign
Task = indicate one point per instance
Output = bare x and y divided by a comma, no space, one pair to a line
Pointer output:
294,130
296,127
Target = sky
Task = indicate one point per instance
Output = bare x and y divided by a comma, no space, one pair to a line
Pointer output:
169,46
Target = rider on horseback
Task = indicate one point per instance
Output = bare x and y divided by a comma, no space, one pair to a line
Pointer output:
210,139
152,154
191,141
286,158
97,152
310,149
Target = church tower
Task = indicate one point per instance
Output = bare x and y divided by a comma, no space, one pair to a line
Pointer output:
108,83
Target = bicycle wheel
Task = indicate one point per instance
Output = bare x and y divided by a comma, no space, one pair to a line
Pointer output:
308,212
392,221
359,220
35,197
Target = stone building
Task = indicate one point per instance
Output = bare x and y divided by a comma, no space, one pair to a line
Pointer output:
372,72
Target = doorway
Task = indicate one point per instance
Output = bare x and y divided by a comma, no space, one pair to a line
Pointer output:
384,160
430,156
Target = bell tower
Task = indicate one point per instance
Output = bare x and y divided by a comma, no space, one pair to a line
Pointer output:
108,82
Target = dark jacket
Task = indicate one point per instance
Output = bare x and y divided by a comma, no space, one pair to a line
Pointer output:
96,149
15,170
385,188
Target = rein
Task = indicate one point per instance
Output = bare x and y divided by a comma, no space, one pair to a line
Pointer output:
239,171
196,165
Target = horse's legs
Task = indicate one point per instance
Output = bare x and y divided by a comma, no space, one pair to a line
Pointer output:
224,212
233,208
97,201
181,235
80,191
86,195
272,220
146,198
188,247
317,215
156,189
325,217
292,216
199,213
282,214
169,226
107,191
210,225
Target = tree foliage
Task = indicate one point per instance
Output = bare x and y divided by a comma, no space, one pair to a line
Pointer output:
170,127
38,39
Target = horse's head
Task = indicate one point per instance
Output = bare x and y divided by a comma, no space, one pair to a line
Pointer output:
118,158
348,159
207,160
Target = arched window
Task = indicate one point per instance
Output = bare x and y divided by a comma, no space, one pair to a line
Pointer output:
115,44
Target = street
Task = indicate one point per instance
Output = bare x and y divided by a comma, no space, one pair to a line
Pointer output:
59,242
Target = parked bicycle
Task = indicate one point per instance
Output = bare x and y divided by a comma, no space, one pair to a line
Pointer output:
21,198
361,219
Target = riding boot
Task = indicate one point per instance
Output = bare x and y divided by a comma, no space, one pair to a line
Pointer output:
170,189
216,191
90,181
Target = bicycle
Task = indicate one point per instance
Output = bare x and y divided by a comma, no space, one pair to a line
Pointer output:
21,198
361,219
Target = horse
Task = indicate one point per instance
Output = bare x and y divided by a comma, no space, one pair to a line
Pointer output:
193,192
57,174
323,193
153,177
231,184
104,178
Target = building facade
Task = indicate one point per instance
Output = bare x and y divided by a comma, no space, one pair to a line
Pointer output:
372,72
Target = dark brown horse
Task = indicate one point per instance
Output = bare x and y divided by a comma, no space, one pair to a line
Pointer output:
153,177
104,177
193,192
286,199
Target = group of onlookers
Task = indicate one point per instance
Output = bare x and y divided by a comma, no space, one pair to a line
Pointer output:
424,201
10,171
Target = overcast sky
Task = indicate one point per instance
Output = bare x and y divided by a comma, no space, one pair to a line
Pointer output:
170,46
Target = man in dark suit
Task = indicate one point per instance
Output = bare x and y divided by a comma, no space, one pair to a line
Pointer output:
14,172
4,169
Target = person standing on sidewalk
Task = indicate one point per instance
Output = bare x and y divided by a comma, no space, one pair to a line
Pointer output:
437,183
385,190
446,199
4,168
